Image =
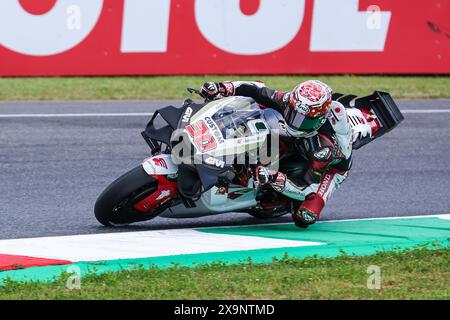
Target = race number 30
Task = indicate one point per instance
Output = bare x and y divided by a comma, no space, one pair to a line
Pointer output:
203,139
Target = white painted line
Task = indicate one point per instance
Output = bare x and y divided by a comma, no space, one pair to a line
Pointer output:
68,115
141,114
426,111
440,216
445,216
143,244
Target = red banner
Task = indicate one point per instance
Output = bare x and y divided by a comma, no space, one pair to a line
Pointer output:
142,37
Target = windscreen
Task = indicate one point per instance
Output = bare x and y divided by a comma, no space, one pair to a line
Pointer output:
233,123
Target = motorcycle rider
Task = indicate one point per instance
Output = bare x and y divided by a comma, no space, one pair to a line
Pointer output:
323,133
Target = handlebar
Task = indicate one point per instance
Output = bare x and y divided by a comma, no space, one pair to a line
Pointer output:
192,90
196,91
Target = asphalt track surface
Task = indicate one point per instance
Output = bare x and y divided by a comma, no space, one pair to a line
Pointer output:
57,157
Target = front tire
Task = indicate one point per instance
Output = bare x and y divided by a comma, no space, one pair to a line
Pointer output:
115,206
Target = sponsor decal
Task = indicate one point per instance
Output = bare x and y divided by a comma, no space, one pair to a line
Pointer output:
160,162
187,115
163,194
110,37
302,108
322,154
324,185
215,130
215,162
202,137
210,123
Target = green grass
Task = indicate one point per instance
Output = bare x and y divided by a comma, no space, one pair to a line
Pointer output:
416,274
173,87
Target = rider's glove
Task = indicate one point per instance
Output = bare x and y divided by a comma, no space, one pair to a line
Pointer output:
211,90
277,180
264,175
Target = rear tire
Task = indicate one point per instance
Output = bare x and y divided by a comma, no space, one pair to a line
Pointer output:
115,206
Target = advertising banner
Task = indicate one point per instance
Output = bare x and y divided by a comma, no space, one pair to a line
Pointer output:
159,37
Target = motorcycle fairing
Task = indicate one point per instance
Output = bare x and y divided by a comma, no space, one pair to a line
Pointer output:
381,104
210,135
166,190
213,202
161,164
172,116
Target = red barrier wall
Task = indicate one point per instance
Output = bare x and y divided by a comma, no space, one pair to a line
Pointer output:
142,37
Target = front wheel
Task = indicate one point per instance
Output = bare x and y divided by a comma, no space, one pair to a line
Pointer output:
115,206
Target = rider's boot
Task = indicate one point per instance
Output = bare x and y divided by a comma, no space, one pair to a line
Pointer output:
309,211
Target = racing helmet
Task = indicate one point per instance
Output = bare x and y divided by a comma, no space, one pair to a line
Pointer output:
309,104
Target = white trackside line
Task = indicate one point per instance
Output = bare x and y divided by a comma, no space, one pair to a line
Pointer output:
73,115
138,114
143,244
426,111
445,216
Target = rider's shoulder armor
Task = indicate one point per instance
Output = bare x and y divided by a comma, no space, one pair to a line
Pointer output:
338,119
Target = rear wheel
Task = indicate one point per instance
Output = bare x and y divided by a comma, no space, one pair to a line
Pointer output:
115,206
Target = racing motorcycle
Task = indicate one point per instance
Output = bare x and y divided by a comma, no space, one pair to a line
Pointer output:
204,155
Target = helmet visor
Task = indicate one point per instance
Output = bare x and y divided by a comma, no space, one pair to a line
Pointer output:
300,122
